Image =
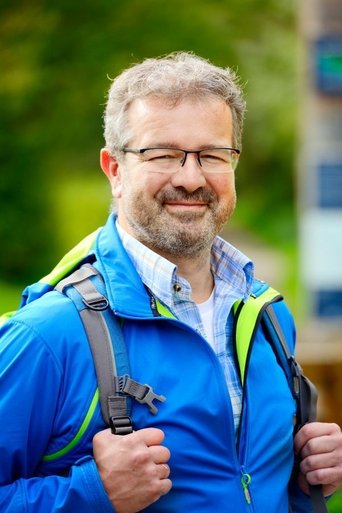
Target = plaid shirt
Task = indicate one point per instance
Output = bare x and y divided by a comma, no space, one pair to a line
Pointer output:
233,275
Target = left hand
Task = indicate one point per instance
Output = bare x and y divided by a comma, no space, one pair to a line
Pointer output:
319,445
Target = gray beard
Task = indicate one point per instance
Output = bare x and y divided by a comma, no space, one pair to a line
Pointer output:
173,242
190,235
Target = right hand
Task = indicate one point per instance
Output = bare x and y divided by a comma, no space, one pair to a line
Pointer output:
133,468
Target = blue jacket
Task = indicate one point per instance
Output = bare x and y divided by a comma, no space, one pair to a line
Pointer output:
49,408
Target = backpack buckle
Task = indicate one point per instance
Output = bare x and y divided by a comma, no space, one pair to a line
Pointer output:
143,394
149,397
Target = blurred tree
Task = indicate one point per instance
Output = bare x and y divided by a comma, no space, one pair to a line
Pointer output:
23,187
55,60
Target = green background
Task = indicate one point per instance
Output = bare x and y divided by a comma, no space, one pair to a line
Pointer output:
56,62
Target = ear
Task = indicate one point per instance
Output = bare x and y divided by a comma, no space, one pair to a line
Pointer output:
112,169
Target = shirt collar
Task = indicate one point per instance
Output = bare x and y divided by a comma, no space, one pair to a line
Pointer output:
160,275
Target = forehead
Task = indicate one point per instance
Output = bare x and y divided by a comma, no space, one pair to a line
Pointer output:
204,121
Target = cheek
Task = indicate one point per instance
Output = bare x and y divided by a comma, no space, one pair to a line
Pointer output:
142,186
150,184
223,186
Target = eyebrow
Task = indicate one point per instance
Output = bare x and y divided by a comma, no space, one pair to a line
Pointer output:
175,146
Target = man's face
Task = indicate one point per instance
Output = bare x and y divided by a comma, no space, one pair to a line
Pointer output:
175,214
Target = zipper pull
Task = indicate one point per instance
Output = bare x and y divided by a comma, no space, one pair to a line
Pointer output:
245,481
153,304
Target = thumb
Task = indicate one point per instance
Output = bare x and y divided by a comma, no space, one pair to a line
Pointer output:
150,436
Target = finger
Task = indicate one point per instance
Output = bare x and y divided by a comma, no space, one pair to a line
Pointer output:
314,430
322,445
165,486
164,471
328,489
325,476
159,454
321,461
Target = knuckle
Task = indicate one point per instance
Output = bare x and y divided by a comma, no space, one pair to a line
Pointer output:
312,478
335,428
311,446
167,453
99,439
319,476
141,458
335,459
167,485
155,490
96,438
309,464
309,429
129,441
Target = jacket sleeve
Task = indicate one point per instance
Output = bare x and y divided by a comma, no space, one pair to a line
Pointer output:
31,384
81,491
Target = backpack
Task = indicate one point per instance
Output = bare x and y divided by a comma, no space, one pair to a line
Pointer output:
86,288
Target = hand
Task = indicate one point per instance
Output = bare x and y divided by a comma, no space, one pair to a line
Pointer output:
133,468
320,446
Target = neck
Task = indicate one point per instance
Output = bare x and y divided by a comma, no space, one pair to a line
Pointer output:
198,273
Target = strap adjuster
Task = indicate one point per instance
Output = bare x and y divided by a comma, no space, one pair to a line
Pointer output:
121,425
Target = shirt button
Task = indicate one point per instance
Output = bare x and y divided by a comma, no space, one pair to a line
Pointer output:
177,287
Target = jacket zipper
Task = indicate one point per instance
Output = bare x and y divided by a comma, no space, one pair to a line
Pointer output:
245,477
245,481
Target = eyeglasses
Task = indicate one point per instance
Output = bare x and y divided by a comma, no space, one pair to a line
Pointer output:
170,160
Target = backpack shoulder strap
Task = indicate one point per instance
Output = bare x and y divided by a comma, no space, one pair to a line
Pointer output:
86,288
82,287
247,316
303,389
258,309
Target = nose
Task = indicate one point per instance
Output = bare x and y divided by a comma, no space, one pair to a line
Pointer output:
189,175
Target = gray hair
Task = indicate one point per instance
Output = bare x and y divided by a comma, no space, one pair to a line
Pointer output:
174,77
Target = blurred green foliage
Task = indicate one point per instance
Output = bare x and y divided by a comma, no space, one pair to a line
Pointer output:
56,58
335,503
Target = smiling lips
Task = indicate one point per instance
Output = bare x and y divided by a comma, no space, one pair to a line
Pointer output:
185,205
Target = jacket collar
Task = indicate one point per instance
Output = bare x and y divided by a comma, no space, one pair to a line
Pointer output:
127,294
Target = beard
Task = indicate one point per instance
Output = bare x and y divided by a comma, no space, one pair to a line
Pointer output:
179,234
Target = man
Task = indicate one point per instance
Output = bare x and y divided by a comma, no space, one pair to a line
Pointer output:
173,132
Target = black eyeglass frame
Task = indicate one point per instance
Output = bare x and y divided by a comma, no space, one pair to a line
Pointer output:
141,151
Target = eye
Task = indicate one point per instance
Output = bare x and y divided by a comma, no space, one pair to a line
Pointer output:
215,156
161,154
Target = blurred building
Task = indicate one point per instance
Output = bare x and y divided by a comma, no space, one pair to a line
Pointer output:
320,199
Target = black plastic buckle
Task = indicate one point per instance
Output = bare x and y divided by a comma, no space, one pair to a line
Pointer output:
121,425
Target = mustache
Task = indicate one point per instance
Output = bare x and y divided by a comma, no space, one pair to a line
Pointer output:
202,195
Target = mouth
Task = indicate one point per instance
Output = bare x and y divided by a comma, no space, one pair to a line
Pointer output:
185,206
189,205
